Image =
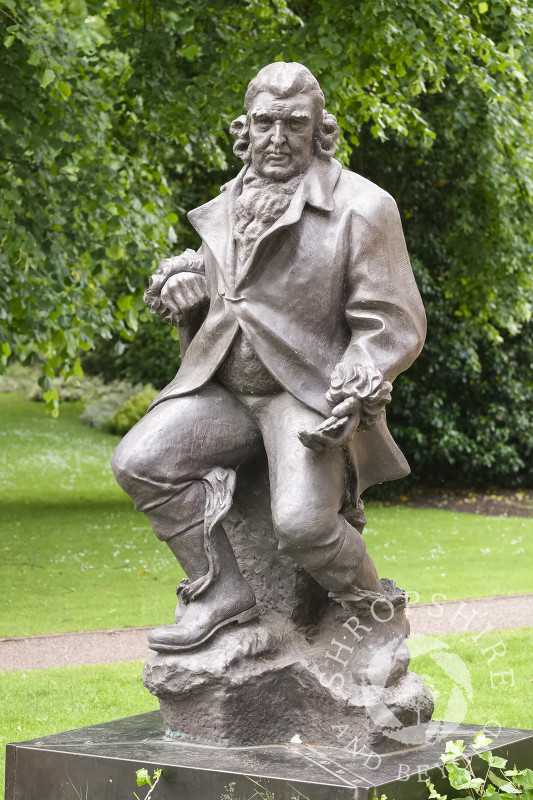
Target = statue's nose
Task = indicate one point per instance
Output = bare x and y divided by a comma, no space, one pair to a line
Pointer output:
278,137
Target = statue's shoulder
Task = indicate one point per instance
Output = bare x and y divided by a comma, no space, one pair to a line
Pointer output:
234,182
367,199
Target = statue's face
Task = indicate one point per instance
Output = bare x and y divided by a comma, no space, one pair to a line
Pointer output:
281,135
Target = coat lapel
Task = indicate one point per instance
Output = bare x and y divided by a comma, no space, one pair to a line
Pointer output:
316,189
214,220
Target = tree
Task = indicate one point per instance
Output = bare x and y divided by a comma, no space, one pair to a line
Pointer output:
115,123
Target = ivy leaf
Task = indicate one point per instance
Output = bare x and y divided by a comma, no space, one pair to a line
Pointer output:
523,778
459,777
481,740
124,302
433,794
493,761
35,57
453,750
143,777
190,52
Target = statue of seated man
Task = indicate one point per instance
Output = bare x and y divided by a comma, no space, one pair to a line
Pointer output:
301,308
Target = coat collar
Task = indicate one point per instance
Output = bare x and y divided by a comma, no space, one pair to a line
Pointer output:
213,220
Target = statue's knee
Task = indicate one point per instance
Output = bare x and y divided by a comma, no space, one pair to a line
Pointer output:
304,527
125,463
137,462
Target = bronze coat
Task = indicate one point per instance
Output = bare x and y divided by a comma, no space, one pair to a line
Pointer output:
329,281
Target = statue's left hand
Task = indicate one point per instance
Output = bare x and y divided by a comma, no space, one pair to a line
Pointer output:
337,430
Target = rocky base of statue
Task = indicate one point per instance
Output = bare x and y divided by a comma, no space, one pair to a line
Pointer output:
342,683
306,667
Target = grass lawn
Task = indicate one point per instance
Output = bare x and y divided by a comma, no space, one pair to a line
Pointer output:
75,555
40,702
467,688
455,554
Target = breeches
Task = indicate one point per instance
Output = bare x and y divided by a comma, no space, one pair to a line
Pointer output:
162,459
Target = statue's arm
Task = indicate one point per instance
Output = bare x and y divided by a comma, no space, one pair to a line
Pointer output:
387,321
384,310
178,290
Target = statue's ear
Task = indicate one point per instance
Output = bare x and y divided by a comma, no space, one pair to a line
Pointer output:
237,126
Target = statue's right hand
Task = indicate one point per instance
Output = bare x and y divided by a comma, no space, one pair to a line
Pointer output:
183,293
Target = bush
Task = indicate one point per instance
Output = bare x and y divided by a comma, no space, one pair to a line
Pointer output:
20,378
131,412
89,389
155,343
105,402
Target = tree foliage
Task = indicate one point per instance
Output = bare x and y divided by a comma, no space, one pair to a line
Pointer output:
114,123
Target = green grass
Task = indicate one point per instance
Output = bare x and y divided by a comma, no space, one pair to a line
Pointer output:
466,687
40,702
455,554
74,554
37,703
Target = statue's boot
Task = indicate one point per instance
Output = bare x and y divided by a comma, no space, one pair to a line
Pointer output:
226,598
344,567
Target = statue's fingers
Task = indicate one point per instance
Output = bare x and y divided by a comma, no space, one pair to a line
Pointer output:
332,424
190,294
348,406
199,289
169,299
315,441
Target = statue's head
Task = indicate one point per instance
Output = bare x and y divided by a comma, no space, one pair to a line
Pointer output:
286,124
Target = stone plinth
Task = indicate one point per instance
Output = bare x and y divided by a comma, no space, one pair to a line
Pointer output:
101,762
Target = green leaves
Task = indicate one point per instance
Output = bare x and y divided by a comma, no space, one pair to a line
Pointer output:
143,777
461,778
64,89
115,252
116,124
493,761
48,77
491,785
481,740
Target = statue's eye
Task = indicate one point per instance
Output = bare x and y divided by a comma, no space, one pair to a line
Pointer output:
263,123
296,124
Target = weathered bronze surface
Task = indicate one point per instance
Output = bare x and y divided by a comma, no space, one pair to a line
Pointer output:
295,316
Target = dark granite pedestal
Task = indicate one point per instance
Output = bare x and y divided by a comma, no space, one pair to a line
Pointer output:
100,762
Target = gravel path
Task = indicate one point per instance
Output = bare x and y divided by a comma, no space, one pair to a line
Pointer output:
129,644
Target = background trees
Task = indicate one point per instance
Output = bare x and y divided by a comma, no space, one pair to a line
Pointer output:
114,123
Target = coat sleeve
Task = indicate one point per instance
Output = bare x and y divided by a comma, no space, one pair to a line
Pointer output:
384,310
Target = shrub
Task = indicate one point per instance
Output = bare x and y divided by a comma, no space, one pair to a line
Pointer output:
20,378
156,343
131,412
104,403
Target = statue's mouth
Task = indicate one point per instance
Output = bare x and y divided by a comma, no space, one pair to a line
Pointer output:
277,158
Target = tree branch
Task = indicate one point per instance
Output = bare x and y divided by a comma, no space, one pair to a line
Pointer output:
10,17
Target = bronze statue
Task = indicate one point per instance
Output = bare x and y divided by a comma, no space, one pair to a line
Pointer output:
301,309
